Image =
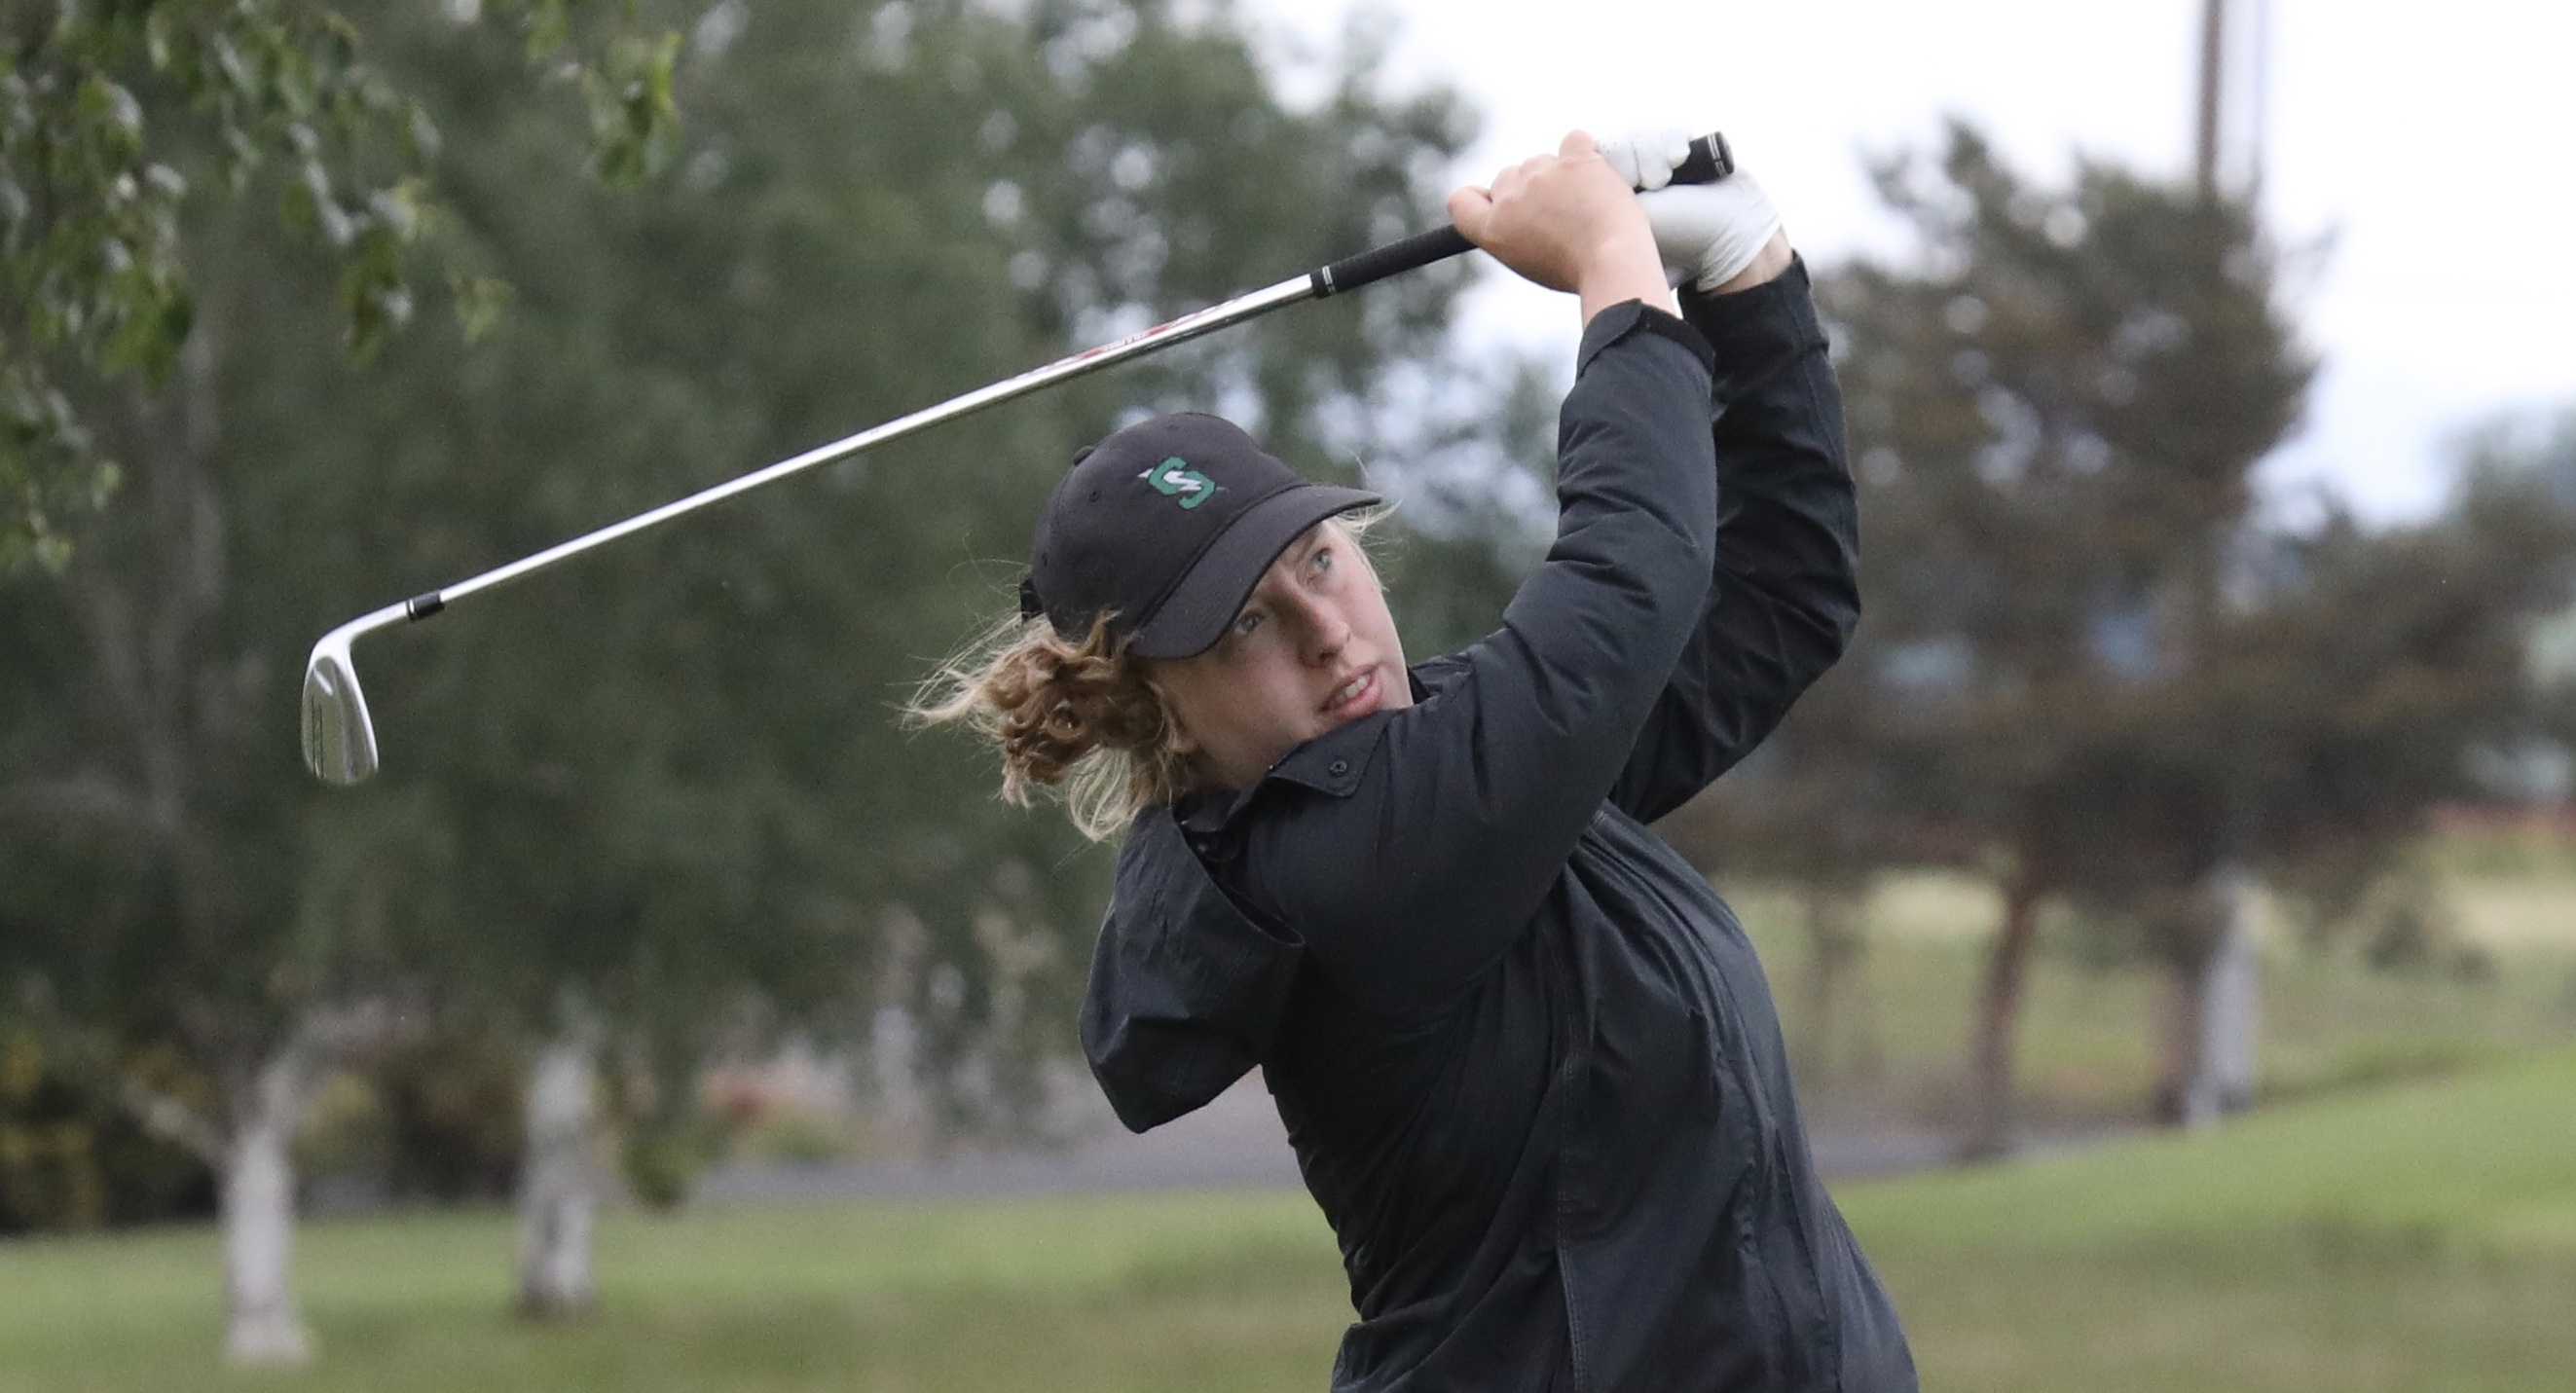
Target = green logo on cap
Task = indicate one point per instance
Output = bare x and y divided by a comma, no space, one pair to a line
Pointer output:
1174,479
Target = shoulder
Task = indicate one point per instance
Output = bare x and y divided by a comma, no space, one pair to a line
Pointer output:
1187,989
1439,675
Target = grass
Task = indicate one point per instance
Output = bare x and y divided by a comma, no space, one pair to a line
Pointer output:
1897,1043
1183,1291
2419,1238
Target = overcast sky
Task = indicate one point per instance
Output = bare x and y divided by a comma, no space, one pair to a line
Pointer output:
2431,140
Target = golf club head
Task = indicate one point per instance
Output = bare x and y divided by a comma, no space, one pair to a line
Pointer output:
339,738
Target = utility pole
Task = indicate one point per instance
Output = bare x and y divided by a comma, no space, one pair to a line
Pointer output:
2225,1014
2252,88
2213,58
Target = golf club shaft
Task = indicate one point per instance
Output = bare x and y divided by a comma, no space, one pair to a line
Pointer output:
1709,161
339,736
1188,326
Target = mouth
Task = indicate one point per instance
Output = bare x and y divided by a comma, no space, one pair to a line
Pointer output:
1354,697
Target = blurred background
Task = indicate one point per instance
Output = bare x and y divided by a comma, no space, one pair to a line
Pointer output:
2171,898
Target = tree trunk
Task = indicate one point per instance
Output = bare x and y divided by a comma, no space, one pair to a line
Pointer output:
558,1185
1989,1132
2232,987
1836,940
262,1325
2211,1008
2178,1101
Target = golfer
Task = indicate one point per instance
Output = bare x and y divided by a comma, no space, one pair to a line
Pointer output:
1526,1057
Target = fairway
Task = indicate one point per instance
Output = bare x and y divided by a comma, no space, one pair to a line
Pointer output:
2420,1238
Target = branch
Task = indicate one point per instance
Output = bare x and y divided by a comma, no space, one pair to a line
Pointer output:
83,1050
93,796
172,1121
106,620
330,1035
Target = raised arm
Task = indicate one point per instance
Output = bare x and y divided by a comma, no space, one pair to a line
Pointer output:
1429,857
1783,597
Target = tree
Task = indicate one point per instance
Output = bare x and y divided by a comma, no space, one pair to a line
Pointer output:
661,808
2057,412
1130,165
2102,670
171,895
114,117
2382,664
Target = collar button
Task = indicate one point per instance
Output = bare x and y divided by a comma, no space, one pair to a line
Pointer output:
1338,768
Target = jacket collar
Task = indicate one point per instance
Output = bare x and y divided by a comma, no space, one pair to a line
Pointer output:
1331,763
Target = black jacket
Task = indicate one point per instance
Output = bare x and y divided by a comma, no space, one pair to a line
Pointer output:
1527,1059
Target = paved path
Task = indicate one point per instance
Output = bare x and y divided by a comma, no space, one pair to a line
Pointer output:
1234,1142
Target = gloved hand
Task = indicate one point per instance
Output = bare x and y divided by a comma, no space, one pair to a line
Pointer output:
1705,233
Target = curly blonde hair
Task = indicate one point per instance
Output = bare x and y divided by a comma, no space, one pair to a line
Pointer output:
1083,719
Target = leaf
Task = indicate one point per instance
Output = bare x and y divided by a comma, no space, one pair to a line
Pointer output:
398,209
178,317
235,70
549,25
111,112
334,223
481,302
423,134
341,40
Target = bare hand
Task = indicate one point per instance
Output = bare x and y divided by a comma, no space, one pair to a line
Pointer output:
1568,222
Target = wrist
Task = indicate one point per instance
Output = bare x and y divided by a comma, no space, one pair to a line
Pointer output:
1767,265
1623,270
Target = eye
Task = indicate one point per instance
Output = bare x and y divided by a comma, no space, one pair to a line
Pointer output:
1321,561
1246,622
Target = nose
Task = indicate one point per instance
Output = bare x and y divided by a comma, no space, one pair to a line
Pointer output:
1326,631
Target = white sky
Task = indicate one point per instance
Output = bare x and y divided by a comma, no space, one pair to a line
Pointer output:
2430,140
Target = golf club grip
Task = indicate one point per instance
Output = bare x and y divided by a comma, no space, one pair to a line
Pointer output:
1709,161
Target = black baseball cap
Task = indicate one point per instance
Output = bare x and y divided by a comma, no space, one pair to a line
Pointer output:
1168,524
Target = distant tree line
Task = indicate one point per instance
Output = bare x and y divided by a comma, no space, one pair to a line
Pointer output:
655,812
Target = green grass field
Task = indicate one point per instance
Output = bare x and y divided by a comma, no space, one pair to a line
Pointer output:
2085,1050
2421,1237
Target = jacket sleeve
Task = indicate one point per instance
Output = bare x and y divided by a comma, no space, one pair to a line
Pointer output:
1784,596
1459,817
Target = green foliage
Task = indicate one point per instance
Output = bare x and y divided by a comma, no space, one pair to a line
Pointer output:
662,1162
794,1136
667,781
2092,652
692,803
71,1160
2089,669
112,116
450,1106
2056,414
2381,664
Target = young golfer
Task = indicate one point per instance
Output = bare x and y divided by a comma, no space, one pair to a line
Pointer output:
1526,1057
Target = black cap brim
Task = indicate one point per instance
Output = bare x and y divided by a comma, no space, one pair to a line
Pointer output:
1195,615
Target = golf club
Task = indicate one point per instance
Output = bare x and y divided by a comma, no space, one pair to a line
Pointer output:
339,736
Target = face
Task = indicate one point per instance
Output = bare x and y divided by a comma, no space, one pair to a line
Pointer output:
1313,648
